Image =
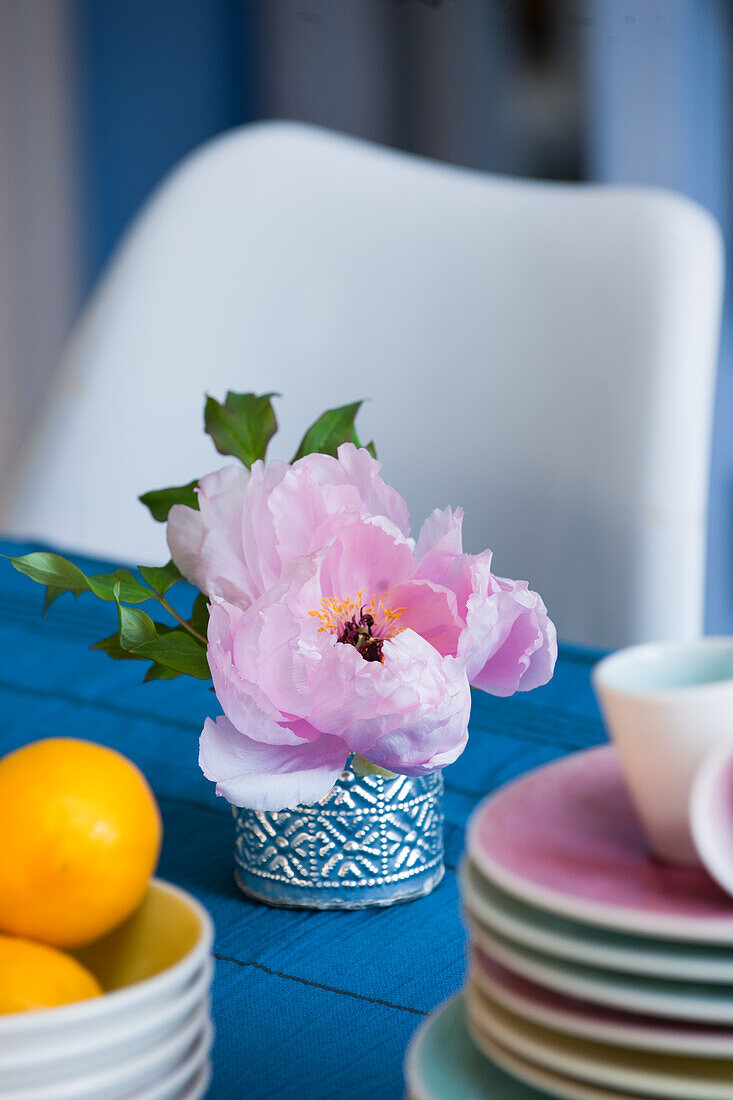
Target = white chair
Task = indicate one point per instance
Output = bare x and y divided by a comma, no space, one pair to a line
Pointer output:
542,354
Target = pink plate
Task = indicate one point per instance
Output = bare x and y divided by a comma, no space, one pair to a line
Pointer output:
564,838
584,1020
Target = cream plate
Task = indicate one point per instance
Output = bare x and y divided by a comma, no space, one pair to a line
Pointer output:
550,1084
662,1075
585,943
688,1001
587,1021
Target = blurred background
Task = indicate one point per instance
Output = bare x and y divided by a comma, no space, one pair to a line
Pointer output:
99,98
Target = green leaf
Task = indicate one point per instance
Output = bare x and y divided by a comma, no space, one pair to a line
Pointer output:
51,570
160,501
243,426
160,577
362,766
177,650
130,589
371,448
334,427
60,575
160,672
111,646
136,627
52,594
199,618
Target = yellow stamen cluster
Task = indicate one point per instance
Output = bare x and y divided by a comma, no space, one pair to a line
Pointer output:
333,613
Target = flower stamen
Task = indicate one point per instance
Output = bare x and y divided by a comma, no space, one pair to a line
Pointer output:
365,625
358,632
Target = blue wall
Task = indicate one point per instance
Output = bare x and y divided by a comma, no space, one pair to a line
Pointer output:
157,77
659,92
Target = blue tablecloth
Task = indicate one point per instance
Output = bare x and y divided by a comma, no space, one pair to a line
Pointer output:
313,1005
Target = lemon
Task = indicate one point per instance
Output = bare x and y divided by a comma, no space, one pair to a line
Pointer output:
80,836
33,975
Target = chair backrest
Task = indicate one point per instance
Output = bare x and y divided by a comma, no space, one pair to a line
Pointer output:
542,354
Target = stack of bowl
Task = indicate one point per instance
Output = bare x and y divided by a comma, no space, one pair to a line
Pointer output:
147,1038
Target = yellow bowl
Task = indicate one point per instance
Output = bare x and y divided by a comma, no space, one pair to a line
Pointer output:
148,961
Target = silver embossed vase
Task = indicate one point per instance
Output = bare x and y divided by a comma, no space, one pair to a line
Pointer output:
370,841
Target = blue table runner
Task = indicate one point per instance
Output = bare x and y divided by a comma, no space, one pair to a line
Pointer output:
305,1004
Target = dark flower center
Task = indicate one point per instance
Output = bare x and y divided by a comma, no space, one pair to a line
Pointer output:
358,632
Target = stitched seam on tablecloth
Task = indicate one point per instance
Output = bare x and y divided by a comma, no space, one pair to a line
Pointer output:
319,985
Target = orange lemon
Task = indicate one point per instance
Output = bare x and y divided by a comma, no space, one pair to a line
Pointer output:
80,836
33,975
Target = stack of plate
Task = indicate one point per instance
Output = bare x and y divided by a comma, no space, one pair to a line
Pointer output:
596,973
147,1038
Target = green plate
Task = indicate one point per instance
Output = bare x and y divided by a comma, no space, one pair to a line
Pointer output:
444,1064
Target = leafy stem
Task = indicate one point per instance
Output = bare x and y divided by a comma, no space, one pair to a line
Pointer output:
164,603
241,426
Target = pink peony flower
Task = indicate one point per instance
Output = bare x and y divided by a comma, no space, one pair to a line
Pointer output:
251,524
331,633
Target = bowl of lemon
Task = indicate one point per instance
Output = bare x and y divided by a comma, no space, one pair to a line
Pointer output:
105,971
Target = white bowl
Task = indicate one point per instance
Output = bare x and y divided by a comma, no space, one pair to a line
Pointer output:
144,964
199,1087
157,971
121,1080
117,1041
188,1081
667,705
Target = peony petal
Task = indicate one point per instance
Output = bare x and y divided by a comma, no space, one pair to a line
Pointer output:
429,610
369,556
542,661
259,546
318,486
440,559
421,708
509,643
268,777
242,700
379,498
267,651
300,506
443,531
206,545
420,748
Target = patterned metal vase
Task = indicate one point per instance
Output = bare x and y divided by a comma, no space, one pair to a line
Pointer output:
371,841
